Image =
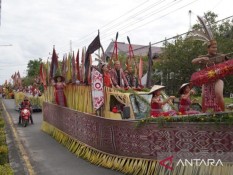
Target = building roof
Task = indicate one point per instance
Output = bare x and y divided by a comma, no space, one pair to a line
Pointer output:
139,50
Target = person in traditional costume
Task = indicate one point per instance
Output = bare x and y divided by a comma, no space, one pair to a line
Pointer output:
106,75
59,86
185,100
212,92
131,78
118,77
157,102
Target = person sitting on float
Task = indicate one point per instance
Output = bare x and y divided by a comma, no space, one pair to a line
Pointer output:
185,100
106,75
158,102
59,86
117,75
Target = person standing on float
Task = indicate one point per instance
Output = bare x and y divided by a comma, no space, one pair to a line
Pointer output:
212,93
117,75
59,86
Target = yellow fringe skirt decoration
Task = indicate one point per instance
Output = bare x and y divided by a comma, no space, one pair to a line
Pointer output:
129,165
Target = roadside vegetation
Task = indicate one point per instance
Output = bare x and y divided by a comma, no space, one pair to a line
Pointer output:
5,168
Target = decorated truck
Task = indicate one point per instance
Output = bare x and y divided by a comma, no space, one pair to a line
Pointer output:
122,137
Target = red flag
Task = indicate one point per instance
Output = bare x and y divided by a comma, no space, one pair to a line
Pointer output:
19,81
82,66
140,72
54,64
73,69
77,66
42,75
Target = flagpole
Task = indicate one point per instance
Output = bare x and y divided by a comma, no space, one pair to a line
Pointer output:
148,80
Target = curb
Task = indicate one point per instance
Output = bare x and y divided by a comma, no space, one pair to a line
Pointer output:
19,145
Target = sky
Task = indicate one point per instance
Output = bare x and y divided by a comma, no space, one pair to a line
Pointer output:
33,27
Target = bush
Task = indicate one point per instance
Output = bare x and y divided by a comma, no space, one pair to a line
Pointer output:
3,154
6,170
1,123
2,139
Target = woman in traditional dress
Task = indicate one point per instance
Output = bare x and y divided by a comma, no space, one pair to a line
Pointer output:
185,100
157,102
212,92
59,85
106,76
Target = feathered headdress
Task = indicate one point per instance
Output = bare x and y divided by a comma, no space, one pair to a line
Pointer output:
204,34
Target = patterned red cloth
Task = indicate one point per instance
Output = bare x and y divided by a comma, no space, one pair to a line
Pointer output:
114,78
122,138
59,94
210,98
184,107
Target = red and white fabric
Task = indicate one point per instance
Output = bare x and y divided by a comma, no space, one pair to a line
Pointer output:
97,89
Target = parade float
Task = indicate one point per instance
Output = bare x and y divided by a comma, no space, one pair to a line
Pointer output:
112,128
134,146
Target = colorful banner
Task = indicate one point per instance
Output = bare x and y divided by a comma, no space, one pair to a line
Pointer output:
97,89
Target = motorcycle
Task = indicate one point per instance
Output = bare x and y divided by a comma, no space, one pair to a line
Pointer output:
25,116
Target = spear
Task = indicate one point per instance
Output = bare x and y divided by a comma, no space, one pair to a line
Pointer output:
131,55
114,49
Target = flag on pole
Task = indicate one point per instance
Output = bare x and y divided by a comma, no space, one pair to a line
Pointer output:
82,73
0,10
95,44
140,72
63,70
73,69
43,75
148,80
68,69
54,64
77,66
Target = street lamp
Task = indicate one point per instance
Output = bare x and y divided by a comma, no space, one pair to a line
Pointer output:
3,45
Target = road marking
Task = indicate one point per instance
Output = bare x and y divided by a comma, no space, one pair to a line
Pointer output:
20,145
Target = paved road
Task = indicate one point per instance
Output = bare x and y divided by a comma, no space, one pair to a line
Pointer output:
46,155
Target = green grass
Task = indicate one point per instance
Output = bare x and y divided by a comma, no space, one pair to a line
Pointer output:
227,100
5,168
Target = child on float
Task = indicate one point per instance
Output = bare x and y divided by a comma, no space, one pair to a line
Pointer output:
158,102
185,100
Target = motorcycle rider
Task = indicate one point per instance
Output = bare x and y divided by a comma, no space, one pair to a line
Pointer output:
26,104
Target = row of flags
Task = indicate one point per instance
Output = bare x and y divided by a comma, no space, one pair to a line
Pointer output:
17,81
70,67
75,68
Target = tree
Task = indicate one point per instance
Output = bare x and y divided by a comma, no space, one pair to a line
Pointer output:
33,67
33,70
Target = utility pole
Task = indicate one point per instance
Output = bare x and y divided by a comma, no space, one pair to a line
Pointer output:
190,25
3,45
71,47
